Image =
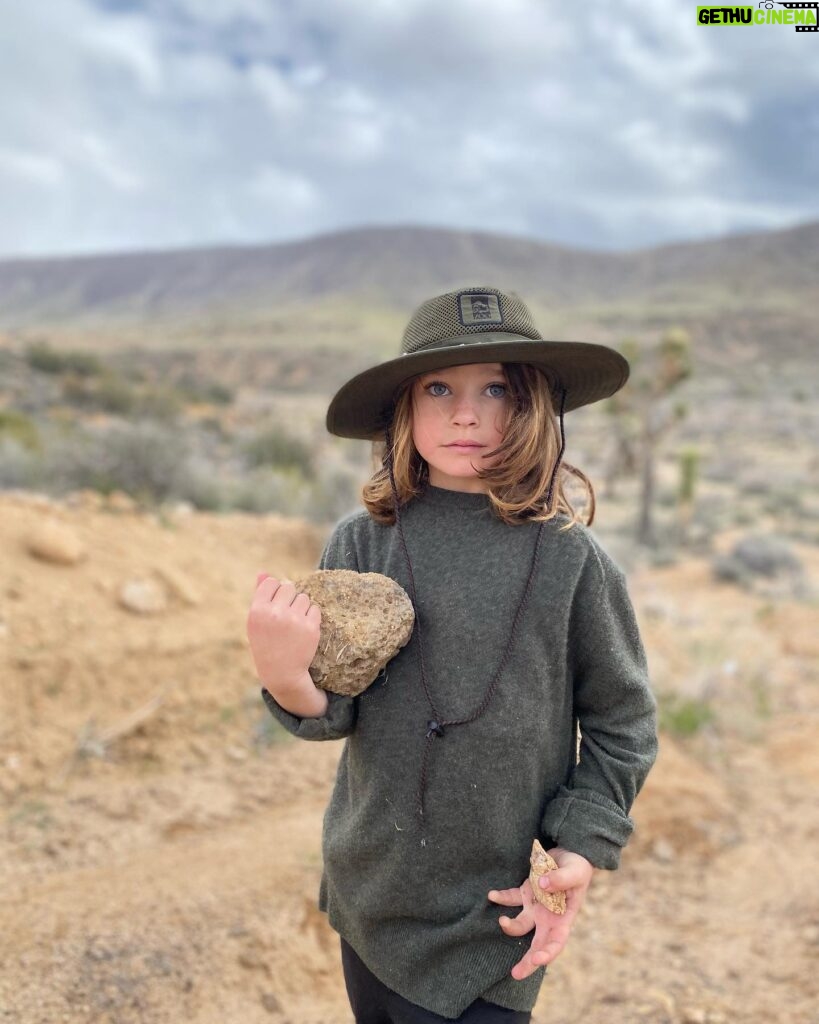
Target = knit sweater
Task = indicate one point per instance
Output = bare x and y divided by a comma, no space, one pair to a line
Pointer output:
410,894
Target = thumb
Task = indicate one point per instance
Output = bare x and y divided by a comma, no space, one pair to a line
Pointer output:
559,879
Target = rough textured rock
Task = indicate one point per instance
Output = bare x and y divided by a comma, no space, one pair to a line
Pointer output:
540,863
366,618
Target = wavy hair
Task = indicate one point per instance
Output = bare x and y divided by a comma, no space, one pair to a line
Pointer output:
518,483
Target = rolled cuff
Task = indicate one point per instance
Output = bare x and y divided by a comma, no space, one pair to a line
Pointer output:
335,724
586,822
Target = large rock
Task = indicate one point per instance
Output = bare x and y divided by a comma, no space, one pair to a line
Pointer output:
366,618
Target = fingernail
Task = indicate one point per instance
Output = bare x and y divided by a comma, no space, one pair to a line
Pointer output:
544,882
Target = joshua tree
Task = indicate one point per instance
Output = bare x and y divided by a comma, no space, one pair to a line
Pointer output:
689,464
643,412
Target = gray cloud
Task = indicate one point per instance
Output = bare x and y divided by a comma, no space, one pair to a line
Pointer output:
127,125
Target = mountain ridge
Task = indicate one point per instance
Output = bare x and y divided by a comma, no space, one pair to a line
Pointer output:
396,267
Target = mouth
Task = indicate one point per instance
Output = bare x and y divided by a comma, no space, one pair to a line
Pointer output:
465,447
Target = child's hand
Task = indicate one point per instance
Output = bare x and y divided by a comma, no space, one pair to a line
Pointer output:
574,875
283,629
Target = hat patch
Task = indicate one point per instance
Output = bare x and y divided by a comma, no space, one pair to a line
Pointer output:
478,308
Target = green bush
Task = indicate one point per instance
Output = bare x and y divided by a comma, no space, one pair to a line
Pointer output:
147,461
20,428
110,393
210,392
161,403
40,356
275,447
683,716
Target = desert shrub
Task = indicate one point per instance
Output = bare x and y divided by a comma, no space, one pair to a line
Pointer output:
336,491
192,389
663,555
282,489
20,468
683,716
20,428
198,483
274,446
40,356
145,460
159,403
109,393
756,555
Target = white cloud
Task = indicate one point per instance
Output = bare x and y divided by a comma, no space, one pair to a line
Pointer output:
712,215
677,161
32,167
206,121
279,96
288,191
100,157
126,43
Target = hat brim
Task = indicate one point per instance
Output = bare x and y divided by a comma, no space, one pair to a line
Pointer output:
588,372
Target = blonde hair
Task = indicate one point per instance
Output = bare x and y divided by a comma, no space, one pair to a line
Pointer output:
517,484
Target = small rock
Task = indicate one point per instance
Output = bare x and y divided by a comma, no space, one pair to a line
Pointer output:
145,597
253,961
270,1002
182,510
694,1015
541,863
663,851
366,618
55,542
179,585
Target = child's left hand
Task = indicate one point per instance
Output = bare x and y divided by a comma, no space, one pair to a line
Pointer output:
573,875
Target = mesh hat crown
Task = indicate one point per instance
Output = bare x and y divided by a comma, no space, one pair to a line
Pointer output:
474,325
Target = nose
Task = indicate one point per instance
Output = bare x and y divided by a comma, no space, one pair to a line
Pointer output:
464,411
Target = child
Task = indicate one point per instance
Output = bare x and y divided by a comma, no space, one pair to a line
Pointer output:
464,749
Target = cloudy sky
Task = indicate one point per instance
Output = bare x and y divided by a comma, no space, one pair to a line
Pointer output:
146,124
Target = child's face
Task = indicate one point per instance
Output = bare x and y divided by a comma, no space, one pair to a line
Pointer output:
469,402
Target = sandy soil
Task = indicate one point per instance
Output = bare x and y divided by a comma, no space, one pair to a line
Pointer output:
167,869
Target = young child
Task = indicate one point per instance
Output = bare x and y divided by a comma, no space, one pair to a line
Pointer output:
465,748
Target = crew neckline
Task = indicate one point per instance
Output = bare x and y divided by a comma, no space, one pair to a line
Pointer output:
444,497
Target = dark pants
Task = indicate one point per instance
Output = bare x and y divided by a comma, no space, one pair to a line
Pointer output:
374,1003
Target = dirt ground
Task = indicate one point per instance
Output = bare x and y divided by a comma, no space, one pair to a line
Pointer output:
160,846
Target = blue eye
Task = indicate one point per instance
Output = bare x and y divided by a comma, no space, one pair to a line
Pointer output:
440,384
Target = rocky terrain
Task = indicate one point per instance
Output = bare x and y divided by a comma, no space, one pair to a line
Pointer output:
160,836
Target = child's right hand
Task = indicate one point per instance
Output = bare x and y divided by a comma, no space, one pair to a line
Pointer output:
283,629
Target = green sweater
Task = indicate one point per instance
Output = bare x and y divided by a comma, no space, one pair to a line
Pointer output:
410,895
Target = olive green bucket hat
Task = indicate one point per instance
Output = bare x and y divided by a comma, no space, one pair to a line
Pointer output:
474,325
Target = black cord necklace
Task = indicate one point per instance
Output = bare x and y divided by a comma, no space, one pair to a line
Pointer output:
437,725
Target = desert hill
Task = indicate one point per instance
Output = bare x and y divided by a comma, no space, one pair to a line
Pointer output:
362,283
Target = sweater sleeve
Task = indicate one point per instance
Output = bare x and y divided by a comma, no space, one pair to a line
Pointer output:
617,714
339,719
